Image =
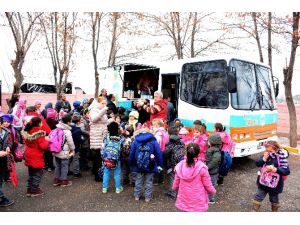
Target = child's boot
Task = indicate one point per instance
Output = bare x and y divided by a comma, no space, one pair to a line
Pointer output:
256,205
275,207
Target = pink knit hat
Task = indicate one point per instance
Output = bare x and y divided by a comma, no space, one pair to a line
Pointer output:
37,102
51,113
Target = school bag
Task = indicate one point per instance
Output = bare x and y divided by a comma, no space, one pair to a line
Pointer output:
269,178
56,140
165,139
177,154
143,160
226,163
111,152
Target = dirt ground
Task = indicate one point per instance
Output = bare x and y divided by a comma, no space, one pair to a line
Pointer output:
85,194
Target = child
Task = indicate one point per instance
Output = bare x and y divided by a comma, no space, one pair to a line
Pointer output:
62,158
197,123
145,158
173,154
133,119
111,157
201,134
162,138
213,160
192,182
128,134
36,142
78,140
5,146
183,134
85,147
270,179
227,144
51,120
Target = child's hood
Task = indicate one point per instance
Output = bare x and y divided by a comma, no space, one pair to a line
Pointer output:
188,173
33,134
144,135
63,126
215,140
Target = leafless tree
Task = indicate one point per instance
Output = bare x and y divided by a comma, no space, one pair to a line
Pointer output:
23,27
288,76
60,33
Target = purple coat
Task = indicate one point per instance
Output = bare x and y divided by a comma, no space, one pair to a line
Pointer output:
193,185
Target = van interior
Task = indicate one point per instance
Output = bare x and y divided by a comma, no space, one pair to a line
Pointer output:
140,81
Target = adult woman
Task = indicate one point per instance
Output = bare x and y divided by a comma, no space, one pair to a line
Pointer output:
98,130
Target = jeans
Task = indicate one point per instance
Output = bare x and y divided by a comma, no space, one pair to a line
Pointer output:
1,182
34,178
76,164
117,176
143,179
48,159
214,181
171,178
61,169
261,194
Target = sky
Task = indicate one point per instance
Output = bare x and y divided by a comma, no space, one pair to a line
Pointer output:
38,67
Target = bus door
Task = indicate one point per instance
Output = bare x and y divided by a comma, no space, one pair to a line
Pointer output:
170,88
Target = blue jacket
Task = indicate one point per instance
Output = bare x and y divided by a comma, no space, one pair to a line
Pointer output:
155,150
77,137
281,170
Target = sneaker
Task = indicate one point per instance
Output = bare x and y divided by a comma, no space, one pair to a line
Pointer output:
56,182
137,198
212,201
147,199
220,181
6,202
77,176
119,190
104,190
36,193
65,183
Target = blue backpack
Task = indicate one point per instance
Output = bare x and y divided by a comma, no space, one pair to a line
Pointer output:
226,163
111,152
143,160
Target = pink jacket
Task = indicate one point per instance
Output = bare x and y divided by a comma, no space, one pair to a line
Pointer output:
227,143
202,142
193,185
162,137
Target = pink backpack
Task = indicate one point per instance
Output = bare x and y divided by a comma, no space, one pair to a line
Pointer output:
56,140
165,139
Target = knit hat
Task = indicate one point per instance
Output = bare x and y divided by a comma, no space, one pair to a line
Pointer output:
113,129
51,113
183,131
135,114
7,118
85,100
37,102
76,104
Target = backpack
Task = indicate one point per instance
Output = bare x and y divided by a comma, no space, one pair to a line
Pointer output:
111,153
177,154
226,163
56,140
143,157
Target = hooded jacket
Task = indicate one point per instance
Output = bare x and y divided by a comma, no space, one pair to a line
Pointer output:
68,145
35,145
5,141
213,154
142,136
174,144
193,185
44,111
98,125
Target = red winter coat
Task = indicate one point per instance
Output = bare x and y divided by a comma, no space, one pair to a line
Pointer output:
35,145
161,114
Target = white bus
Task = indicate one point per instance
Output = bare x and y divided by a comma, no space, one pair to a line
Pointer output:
236,92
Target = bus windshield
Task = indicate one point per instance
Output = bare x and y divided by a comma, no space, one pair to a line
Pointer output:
204,84
254,89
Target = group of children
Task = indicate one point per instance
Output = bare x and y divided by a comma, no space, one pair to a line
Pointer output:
137,154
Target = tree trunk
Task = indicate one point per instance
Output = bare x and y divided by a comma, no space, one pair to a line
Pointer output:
17,65
97,83
270,40
257,37
288,76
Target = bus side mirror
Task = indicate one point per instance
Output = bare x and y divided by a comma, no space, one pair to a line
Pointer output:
231,79
276,86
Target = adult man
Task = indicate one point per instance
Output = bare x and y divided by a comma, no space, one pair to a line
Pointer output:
63,103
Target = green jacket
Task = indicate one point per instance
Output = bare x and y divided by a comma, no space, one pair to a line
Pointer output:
213,154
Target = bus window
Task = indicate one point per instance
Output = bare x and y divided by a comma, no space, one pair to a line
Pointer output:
204,84
246,95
